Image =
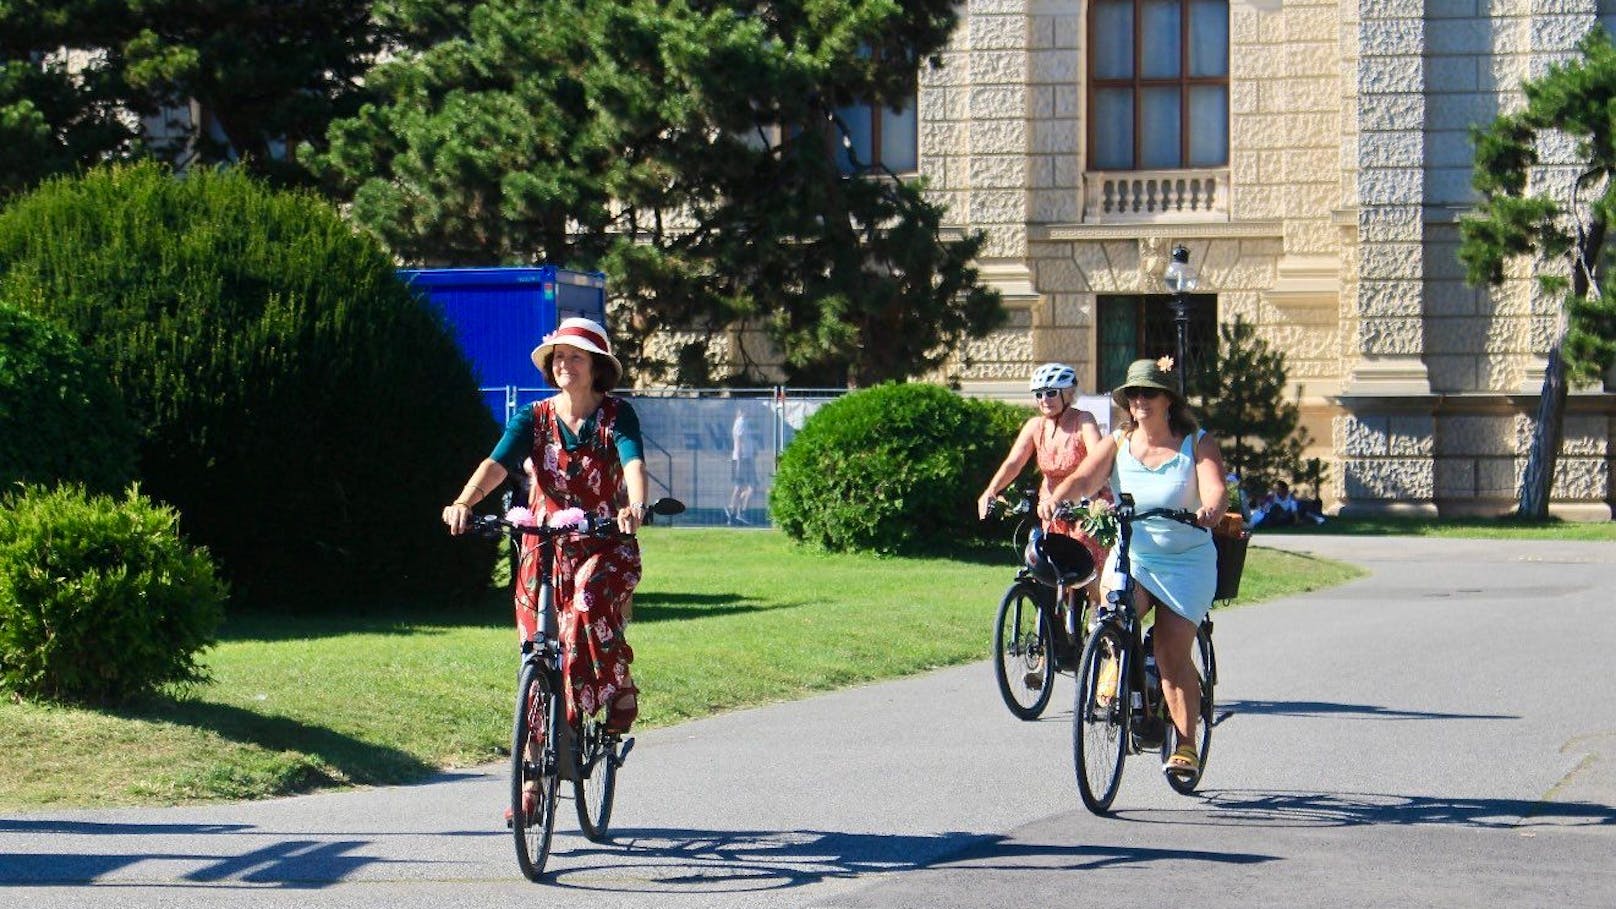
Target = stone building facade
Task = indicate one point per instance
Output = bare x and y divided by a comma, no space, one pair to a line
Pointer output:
1331,221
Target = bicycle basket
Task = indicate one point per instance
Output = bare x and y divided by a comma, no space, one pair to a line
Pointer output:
1054,558
1231,560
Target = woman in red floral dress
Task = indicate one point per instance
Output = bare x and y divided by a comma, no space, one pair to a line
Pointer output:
581,449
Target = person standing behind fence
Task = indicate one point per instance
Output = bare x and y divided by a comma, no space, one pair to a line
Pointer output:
742,468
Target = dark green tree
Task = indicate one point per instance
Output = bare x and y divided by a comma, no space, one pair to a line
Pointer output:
267,76
58,114
689,150
1520,217
304,413
1245,405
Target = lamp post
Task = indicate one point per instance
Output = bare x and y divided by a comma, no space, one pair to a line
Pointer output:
1180,278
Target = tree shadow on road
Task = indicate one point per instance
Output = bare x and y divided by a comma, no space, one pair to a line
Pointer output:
1282,808
1345,711
681,861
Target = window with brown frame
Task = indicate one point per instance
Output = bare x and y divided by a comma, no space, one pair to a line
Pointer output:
879,135
1158,91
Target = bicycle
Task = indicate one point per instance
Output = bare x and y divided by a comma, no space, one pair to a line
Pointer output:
545,747
1029,647
1134,719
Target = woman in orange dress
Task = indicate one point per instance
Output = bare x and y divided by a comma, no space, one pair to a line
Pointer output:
1060,436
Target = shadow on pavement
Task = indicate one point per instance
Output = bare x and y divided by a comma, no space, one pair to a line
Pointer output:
1348,711
700,861
1257,808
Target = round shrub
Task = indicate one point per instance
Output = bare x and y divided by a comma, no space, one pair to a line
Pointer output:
306,414
60,417
894,468
100,598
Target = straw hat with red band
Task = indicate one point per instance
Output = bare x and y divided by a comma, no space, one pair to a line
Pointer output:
584,334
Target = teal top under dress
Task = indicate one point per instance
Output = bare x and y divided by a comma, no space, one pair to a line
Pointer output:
1177,563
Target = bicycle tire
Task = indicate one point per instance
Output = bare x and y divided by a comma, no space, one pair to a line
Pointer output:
1100,730
533,764
1023,652
1205,660
594,786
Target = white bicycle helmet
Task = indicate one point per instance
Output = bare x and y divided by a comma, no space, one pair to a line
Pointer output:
1052,375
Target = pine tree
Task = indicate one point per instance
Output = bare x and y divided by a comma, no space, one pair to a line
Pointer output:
690,151
1245,405
1572,100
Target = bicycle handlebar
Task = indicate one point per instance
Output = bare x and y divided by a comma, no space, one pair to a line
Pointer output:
1180,515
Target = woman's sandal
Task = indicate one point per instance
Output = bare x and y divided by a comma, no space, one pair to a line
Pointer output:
1183,762
1105,690
530,804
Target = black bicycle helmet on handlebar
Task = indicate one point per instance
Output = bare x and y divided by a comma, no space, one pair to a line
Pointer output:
1054,559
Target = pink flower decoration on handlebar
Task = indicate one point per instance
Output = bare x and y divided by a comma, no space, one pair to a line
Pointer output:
567,517
521,517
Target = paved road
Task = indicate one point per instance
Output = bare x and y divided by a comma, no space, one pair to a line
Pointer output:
1441,733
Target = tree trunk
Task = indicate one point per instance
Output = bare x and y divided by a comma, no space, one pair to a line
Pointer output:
1538,481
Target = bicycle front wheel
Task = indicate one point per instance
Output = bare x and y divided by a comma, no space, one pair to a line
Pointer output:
595,783
533,769
1100,717
1023,659
1205,662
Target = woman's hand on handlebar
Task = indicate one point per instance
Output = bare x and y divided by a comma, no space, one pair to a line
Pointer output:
457,517
630,517
984,505
1209,515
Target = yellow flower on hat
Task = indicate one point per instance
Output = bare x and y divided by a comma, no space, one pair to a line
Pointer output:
1165,364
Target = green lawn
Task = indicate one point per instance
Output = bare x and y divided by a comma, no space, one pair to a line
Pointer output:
723,619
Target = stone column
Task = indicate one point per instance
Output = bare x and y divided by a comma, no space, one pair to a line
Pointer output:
1385,436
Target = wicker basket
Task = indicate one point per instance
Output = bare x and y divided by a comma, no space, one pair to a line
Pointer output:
1230,537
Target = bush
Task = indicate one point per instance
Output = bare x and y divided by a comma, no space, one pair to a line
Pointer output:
100,599
307,415
895,468
60,417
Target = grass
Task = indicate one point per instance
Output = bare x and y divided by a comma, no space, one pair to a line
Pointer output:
723,620
1503,528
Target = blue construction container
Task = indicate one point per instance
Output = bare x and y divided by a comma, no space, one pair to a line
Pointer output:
499,315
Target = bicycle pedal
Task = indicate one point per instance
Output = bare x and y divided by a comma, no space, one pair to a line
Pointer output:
620,755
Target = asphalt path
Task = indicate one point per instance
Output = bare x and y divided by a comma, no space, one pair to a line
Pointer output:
1439,733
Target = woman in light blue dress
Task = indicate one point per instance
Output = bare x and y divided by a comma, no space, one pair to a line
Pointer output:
1161,459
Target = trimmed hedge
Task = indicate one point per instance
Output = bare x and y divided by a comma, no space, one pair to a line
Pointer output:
60,417
892,469
306,414
100,599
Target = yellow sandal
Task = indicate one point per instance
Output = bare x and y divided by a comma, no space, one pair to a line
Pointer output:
1183,762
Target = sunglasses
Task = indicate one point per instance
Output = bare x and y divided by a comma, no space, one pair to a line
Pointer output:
1043,393
1145,393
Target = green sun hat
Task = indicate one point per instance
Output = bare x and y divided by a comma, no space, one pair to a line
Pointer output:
1148,374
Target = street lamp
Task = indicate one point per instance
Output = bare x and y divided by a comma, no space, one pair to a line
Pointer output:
1180,278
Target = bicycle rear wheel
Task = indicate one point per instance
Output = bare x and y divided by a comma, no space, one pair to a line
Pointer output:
1205,669
595,784
1023,658
1100,718
533,769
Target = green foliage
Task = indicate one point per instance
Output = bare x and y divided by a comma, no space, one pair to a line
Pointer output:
306,415
267,74
100,598
1572,101
60,416
891,469
685,149
1246,407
